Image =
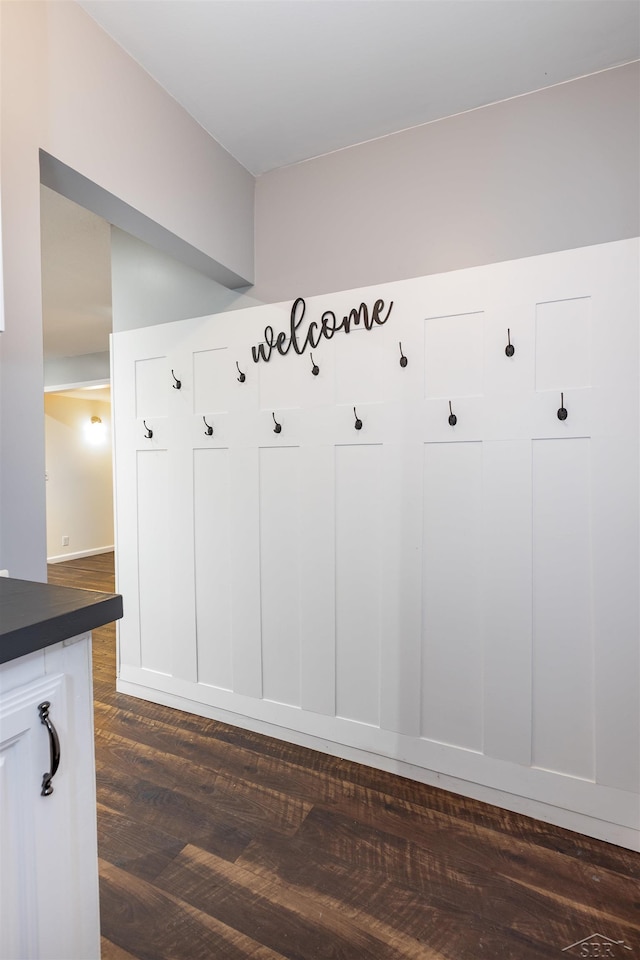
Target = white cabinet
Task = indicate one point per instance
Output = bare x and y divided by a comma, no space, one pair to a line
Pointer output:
48,844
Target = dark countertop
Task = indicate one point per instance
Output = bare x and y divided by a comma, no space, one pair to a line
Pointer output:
35,615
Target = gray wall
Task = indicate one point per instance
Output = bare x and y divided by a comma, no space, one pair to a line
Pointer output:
62,371
149,287
70,91
551,170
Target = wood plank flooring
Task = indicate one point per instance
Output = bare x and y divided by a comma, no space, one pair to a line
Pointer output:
216,843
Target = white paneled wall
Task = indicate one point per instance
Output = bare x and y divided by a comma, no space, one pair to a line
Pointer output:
456,601
212,546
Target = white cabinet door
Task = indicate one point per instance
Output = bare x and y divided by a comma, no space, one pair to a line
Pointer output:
48,866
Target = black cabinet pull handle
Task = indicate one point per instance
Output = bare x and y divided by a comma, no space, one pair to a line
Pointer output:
54,747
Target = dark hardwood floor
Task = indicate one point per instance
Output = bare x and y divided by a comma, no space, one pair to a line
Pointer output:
220,844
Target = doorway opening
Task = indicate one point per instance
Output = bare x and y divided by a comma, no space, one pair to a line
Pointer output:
77,323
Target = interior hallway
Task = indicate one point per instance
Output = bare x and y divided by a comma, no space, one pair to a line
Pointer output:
216,843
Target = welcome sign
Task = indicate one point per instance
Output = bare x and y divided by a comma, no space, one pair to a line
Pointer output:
317,330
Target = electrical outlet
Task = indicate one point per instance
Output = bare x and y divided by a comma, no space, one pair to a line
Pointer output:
65,541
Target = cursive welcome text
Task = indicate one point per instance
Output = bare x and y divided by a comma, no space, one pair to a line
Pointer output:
324,329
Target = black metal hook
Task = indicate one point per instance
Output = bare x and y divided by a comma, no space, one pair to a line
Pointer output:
178,383
562,412
452,417
509,349
149,432
403,359
315,369
242,377
209,430
358,423
278,426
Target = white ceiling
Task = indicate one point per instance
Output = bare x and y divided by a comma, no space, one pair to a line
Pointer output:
279,81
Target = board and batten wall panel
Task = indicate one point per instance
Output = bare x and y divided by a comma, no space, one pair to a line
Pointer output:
153,561
507,599
317,581
401,607
562,616
452,650
213,536
419,565
280,573
245,566
358,573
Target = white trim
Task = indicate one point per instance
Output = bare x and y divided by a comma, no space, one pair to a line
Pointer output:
80,553
79,385
584,823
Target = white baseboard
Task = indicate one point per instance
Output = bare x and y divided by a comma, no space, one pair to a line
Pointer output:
80,553
570,819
